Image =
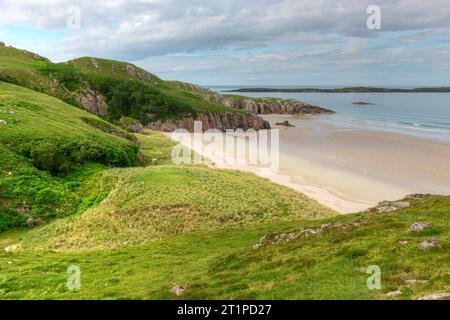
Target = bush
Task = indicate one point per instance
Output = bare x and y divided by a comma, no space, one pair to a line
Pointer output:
48,157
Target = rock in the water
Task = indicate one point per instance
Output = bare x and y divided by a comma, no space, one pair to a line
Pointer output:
3,122
285,124
177,290
437,296
362,103
428,244
389,206
420,226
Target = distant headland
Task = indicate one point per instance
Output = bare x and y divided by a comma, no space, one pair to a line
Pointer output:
343,90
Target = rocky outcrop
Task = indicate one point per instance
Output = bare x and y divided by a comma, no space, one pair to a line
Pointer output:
428,244
420,226
390,206
285,123
269,105
92,101
217,120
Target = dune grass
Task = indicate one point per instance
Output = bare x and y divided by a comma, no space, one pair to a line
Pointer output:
153,203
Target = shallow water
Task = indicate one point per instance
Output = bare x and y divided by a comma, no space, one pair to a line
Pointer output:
420,114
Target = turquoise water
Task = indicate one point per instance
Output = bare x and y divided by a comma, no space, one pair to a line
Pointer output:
424,114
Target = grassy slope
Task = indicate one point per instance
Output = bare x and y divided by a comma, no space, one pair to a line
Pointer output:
43,132
146,93
222,263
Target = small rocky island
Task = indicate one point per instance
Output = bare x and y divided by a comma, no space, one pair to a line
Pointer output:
362,103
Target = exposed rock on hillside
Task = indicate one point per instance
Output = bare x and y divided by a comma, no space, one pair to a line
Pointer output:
389,206
92,101
428,244
420,226
217,120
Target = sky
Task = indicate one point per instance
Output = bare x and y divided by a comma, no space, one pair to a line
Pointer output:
252,42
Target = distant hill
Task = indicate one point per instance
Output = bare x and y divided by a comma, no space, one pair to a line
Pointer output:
344,90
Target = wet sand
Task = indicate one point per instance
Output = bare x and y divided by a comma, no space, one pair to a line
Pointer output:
350,168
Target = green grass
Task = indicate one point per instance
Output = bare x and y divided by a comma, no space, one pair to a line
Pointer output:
155,147
221,264
136,231
128,90
42,144
148,204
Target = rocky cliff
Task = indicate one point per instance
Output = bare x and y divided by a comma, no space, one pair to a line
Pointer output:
268,105
92,101
216,120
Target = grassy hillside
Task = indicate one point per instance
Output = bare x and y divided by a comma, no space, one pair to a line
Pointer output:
42,142
127,89
223,264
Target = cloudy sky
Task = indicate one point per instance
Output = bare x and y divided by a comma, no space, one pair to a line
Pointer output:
251,42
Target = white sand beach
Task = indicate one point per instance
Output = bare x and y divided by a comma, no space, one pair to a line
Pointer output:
350,169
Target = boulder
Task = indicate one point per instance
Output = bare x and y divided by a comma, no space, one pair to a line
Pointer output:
13,248
393,293
285,124
177,290
390,206
436,296
420,226
428,244
3,122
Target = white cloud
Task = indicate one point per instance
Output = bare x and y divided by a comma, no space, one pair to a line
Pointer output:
240,37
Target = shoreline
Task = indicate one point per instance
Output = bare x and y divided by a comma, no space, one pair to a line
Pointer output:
350,169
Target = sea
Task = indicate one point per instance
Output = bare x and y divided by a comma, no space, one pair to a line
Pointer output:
421,114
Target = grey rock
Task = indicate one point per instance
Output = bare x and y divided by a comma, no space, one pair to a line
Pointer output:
3,122
393,293
177,290
436,296
420,226
415,281
390,206
218,120
92,101
428,244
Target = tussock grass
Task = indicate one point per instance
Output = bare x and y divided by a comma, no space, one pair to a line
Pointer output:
148,204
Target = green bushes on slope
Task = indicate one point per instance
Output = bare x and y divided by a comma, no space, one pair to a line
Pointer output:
43,141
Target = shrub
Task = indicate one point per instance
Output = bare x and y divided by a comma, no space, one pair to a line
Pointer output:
48,157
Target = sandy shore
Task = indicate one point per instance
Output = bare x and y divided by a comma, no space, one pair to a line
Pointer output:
350,169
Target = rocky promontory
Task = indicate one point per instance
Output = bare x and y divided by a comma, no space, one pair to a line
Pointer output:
213,120
268,105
